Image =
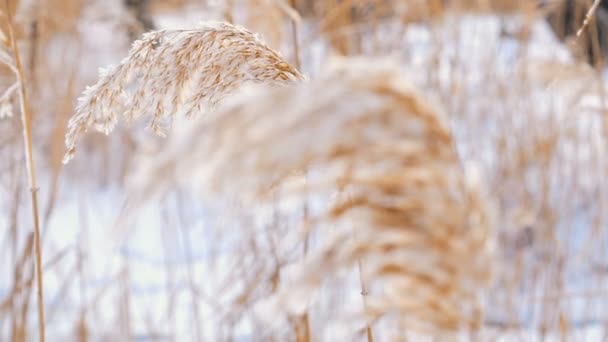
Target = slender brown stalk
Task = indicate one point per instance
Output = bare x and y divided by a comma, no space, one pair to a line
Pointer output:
588,17
362,283
294,38
228,11
368,328
27,139
304,333
190,272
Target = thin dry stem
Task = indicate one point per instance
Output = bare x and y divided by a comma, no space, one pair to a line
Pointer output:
588,17
364,293
27,140
294,38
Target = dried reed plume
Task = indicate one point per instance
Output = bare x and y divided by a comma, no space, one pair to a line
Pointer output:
375,149
172,72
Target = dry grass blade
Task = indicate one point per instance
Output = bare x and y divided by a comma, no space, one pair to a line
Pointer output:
176,71
404,203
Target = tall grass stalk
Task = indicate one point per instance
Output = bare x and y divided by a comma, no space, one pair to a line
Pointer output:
294,38
589,17
27,140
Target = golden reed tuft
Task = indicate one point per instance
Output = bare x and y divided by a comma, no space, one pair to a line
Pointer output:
169,72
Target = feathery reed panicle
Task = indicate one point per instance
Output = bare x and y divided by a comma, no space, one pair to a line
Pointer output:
171,72
385,161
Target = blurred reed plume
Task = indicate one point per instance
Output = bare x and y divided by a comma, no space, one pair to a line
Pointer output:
390,191
172,72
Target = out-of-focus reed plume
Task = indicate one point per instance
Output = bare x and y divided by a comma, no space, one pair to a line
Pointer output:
383,158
